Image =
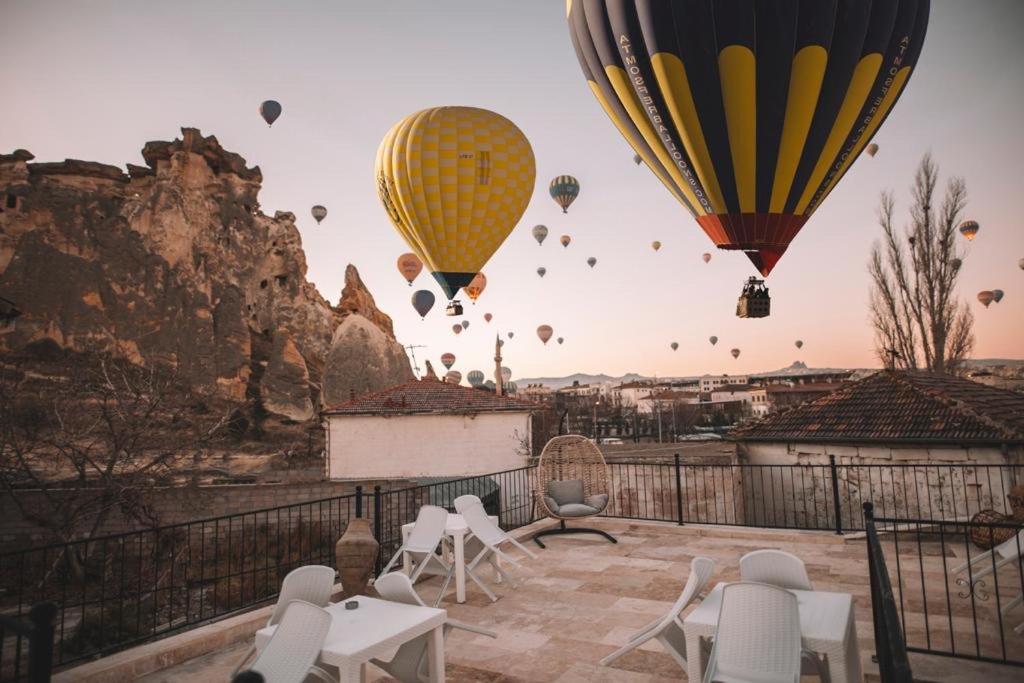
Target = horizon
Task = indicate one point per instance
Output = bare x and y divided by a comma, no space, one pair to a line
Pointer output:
91,99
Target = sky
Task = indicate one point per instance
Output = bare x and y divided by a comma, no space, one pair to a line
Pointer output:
96,79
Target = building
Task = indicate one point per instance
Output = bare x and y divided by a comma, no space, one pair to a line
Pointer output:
665,399
709,383
427,428
772,398
578,391
628,394
731,392
535,392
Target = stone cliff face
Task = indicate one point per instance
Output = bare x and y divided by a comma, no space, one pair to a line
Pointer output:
174,262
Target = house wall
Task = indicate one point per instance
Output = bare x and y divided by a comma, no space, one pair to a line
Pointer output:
434,445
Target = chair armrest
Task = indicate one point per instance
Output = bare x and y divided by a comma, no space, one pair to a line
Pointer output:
470,627
321,674
971,560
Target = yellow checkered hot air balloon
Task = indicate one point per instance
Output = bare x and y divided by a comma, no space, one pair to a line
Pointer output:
455,181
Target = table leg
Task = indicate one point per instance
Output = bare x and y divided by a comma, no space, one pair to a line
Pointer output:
458,540
362,673
695,661
436,654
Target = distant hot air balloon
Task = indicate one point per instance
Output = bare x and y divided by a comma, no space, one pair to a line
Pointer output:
511,334
447,360
270,110
542,271
997,295
475,288
798,344
544,332
465,324
560,340
872,149
487,317
501,342
956,263
748,112
674,345
564,189
706,256
1021,264
591,261
417,188
423,301
409,265
713,339
475,378
540,233
489,384
457,329
565,239
506,374
986,297
655,245
969,229
453,377
735,353
319,213
637,159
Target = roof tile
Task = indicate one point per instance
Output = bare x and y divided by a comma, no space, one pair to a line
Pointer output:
429,396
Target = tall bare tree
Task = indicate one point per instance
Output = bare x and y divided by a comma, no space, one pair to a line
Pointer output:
919,321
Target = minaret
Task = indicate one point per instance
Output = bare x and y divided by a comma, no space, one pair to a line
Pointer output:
499,383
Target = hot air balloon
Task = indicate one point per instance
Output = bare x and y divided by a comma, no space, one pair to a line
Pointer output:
511,334
749,113
448,360
540,233
872,149
487,317
475,288
501,342
969,229
319,213
453,377
956,263
591,261
457,329
1021,264
564,189
713,339
798,344
423,191
423,301
409,265
542,271
544,332
506,374
674,345
655,245
565,239
475,378
735,353
997,295
465,324
637,159
560,340
706,256
270,110
986,297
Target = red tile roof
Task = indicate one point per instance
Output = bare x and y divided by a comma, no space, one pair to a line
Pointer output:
429,396
900,407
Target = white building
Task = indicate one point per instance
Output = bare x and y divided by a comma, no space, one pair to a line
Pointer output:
628,395
427,428
731,392
709,383
665,399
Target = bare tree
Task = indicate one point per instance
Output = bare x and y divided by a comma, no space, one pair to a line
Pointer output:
919,321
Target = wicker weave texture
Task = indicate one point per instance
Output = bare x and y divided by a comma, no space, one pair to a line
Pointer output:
570,457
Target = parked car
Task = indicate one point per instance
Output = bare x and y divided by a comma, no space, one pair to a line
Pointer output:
611,441
708,436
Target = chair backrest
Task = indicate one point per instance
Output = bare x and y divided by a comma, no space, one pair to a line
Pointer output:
701,569
397,587
572,457
312,583
295,645
462,502
775,567
429,528
481,525
758,634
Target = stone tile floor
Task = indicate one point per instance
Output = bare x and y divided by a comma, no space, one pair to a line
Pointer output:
585,596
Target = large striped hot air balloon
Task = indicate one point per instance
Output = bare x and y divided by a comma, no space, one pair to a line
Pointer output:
748,112
425,185
564,189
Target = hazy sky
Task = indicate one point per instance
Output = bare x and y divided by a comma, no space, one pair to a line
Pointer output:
95,80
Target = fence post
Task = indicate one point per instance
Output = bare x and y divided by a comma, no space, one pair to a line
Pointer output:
837,508
377,528
40,647
359,501
679,492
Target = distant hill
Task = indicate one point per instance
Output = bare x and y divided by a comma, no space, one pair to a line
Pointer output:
995,362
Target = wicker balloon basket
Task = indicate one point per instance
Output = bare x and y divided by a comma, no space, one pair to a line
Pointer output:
985,536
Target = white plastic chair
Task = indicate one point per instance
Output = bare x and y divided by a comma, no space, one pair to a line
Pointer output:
410,664
990,561
421,547
758,637
776,568
312,583
669,628
292,651
487,537
465,501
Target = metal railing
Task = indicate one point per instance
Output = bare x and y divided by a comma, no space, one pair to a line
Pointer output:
890,645
36,635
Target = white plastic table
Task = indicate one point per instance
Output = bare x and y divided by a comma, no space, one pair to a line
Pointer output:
456,529
826,624
376,629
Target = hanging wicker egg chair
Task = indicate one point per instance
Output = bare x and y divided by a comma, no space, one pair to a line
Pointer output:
571,484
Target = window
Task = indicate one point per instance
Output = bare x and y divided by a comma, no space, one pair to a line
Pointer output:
12,201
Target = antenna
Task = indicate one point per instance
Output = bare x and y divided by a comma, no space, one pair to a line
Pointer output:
411,348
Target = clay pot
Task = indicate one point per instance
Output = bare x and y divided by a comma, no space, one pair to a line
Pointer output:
355,554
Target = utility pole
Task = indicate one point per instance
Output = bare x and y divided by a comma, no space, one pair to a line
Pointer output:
412,353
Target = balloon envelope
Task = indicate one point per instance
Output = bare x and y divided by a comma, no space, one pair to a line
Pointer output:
448,360
465,324
542,271
986,297
319,212
422,190
956,263
799,344
969,229
456,328
564,189
487,317
409,265
591,261
270,110
674,345
706,256
540,233
1021,264
713,340
637,159
735,353
453,377
561,339
752,111
997,295
511,334
475,378
506,374
475,288
655,245
565,239
872,149
423,301
544,332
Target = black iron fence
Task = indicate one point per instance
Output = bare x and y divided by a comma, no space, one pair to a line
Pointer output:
124,589
890,645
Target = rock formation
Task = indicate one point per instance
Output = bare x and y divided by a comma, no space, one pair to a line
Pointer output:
174,262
